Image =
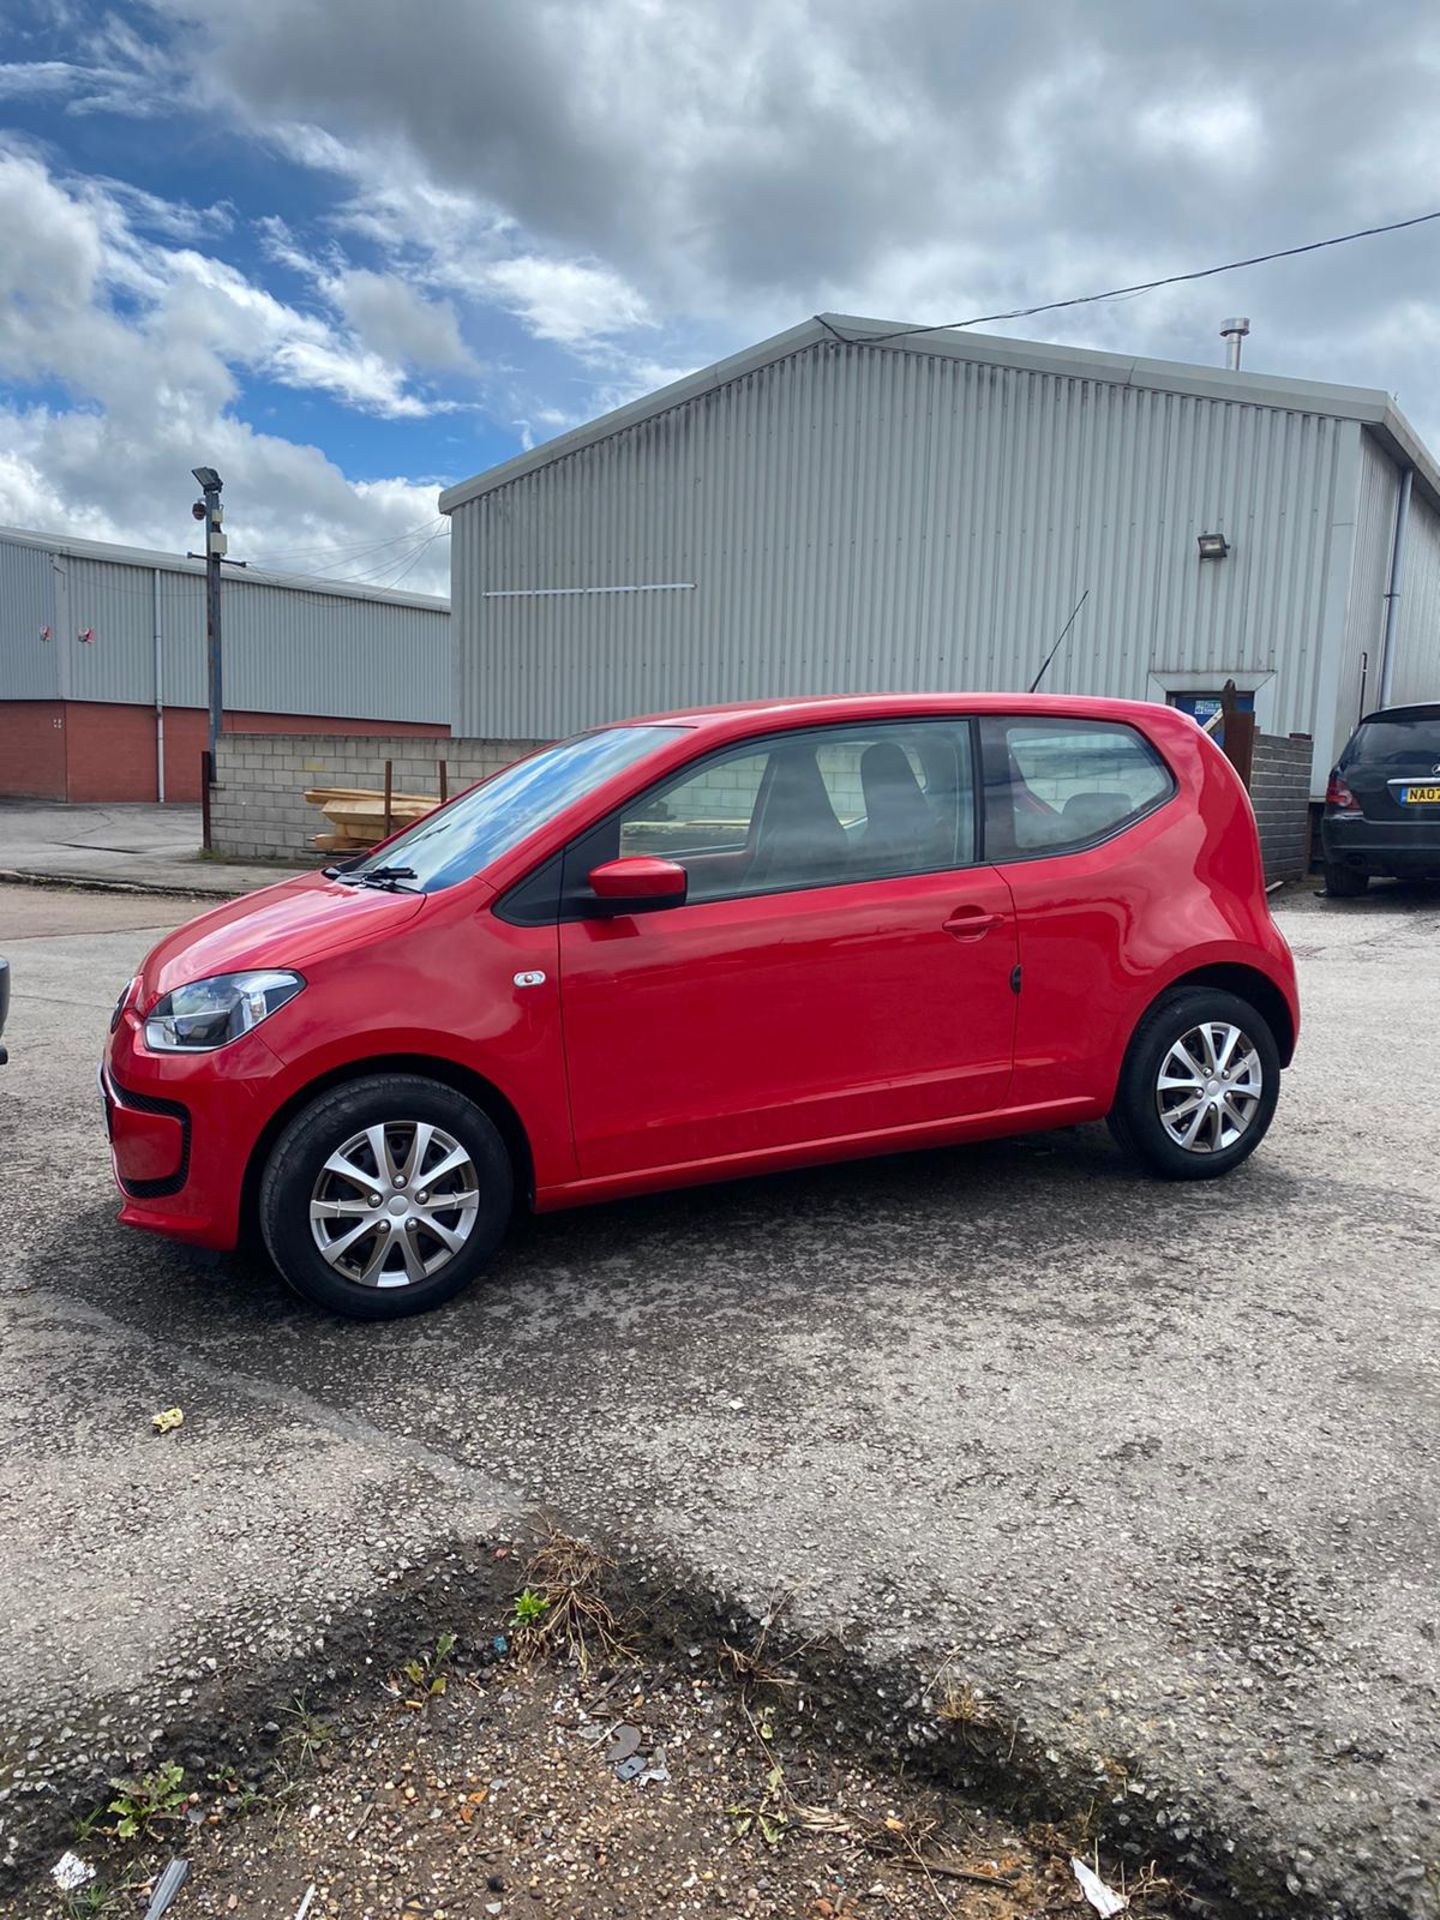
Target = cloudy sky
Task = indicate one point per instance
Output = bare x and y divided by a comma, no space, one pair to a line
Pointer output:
348,251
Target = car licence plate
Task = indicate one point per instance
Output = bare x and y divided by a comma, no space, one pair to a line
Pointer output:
1428,796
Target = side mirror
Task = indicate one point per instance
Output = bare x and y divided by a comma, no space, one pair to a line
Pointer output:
640,884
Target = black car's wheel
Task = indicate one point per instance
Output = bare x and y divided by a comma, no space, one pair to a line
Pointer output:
385,1196
1198,1088
1345,883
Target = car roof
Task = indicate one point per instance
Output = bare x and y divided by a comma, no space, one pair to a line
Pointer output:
814,709
1421,710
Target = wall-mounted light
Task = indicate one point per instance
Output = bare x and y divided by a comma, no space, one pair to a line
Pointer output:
1213,546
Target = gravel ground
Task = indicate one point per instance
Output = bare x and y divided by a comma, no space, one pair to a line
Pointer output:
526,1789
1157,1467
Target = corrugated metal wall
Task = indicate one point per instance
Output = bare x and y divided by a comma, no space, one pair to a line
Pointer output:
855,517
287,649
1417,658
1359,676
29,663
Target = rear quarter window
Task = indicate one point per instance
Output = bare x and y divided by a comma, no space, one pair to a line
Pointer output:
1055,786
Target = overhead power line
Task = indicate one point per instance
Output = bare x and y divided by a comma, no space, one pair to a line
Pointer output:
414,559
348,552
1141,286
369,575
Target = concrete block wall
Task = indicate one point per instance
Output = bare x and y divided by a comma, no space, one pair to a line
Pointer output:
258,809
1280,795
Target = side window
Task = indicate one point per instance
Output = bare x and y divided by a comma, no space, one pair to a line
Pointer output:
707,812
1052,786
810,809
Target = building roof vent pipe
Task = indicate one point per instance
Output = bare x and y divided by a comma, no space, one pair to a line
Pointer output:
1232,332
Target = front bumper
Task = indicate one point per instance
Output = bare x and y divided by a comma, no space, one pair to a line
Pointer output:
1382,846
182,1130
149,1140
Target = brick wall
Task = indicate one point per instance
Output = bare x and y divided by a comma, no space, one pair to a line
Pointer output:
1280,795
109,751
188,728
258,808
88,750
32,749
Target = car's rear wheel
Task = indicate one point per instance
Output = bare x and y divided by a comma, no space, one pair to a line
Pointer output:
1345,883
385,1196
1198,1088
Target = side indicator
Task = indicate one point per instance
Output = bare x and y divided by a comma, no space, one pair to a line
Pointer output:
529,979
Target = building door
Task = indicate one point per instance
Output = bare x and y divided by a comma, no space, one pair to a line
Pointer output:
1204,706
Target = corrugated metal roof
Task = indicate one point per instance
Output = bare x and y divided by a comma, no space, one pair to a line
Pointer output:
1370,406
111,551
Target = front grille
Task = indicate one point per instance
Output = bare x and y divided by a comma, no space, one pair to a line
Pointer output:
148,1103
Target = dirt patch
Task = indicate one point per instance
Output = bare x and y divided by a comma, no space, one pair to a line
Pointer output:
467,1784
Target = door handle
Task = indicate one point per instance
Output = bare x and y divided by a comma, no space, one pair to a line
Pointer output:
971,923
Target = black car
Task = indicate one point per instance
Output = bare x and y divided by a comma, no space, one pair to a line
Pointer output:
4,1005
1382,808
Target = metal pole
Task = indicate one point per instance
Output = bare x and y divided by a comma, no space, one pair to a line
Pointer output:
159,689
210,511
1392,597
214,667
207,780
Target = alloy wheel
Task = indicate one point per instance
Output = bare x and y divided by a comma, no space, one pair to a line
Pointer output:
1209,1087
394,1204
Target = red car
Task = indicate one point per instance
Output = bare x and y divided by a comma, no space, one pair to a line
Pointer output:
702,945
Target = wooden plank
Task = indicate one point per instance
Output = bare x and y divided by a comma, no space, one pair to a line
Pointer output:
317,796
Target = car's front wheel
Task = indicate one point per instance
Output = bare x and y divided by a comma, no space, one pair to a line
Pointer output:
385,1196
1198,1088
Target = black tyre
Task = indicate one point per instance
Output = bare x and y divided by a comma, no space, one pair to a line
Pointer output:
1198,1088
385,1196
1345,883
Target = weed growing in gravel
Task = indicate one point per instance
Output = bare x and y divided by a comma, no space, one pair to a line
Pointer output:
564,1592
308,1735
426,1672
977,1719
143,1801
530,1609
95,1902
235,1796
755,1668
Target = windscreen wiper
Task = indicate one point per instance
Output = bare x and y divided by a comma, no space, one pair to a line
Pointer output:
390,877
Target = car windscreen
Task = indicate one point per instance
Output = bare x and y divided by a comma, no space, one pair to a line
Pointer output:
1395,742
490,820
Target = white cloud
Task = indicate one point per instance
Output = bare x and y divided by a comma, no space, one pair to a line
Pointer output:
152,385
1223,132
397,322
24,79
574,302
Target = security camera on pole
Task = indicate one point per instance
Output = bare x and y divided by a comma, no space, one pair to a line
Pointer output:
212,513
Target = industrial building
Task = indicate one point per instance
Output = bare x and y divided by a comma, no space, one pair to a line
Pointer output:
102,665
850,506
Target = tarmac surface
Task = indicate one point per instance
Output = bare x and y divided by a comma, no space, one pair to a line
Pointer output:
123,845
1155,1466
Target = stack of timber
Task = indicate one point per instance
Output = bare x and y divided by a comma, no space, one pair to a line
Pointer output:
357,815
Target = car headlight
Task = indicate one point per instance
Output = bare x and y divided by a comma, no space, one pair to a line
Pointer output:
211,1013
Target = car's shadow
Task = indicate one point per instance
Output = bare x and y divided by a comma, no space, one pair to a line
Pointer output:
1381,897
1007,1215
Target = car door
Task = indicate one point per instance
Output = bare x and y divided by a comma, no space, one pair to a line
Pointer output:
1075,821
841,967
